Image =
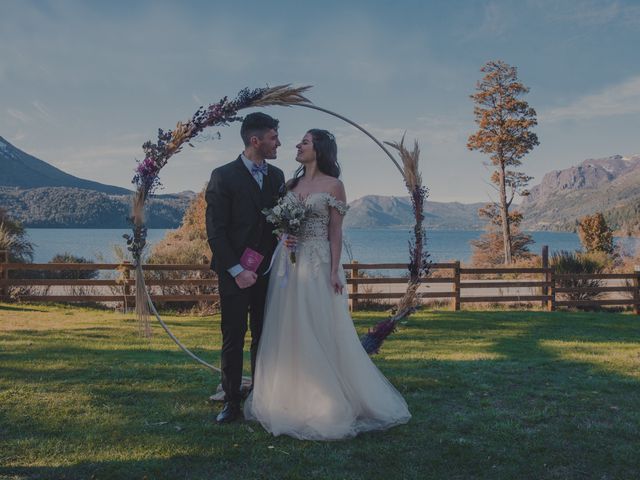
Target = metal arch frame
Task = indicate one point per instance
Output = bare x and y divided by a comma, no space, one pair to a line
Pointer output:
152,307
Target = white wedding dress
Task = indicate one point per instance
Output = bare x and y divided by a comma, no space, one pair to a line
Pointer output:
313,378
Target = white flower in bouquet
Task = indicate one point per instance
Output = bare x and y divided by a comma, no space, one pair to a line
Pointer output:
288,216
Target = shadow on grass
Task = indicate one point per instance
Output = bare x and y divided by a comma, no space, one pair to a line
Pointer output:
129,362
529,408
532,405
16,308
536,326
186,466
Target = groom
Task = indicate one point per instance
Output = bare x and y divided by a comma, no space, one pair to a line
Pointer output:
236,194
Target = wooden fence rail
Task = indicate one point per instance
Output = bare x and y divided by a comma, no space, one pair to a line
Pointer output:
448,282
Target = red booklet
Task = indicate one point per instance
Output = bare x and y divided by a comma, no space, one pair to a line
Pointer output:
250,259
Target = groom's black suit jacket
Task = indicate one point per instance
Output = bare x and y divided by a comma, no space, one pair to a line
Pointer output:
235,220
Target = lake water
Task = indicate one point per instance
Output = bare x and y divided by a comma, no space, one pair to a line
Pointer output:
367,245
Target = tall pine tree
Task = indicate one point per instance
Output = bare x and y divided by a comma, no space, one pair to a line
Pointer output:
504,133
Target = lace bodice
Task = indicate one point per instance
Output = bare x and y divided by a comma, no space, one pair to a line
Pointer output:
313,248
316,226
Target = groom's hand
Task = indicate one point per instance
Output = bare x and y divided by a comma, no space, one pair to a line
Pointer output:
246,278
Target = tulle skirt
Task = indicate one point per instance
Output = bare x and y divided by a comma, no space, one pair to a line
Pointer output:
313,379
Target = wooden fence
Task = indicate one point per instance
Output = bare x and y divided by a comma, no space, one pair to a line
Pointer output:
448,282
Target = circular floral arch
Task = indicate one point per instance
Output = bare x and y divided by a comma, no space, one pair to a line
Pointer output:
224,113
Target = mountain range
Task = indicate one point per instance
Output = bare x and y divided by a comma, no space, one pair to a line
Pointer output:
376,211
24,171
40,195
609,185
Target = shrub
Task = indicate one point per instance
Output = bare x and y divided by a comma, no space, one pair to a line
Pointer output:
595,235
577,262
13,239
74,290
185,245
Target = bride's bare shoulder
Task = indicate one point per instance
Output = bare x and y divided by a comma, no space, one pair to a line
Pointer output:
336,188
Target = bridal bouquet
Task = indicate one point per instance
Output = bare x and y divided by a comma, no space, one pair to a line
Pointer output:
288,215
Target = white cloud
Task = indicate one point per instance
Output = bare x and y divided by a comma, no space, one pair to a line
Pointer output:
427,130
19,136
19,115
493,21
620,99
43,112
589,13
86,160
104,153
130,137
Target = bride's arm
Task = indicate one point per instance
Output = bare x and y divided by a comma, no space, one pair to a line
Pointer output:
335,236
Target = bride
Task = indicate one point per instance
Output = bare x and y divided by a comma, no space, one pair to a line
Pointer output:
313,379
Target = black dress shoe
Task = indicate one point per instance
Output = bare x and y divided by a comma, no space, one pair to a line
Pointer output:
229,413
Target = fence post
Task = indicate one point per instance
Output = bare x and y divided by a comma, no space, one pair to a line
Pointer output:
456,286
4,274
205,261
199,274
545,265
126,275
355,274
636,290
551,276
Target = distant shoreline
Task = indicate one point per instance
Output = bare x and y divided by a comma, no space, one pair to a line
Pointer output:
616,233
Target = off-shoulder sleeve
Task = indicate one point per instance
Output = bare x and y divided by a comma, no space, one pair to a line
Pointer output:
340,206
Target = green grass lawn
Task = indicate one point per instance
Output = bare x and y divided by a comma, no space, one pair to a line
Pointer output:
495,395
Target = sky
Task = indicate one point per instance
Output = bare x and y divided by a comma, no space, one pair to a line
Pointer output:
84,84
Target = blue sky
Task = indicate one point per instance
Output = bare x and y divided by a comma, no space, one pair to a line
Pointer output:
84,84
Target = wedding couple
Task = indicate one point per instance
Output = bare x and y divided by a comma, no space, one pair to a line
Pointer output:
311,377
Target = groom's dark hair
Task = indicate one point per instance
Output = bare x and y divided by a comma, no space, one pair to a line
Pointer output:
256,125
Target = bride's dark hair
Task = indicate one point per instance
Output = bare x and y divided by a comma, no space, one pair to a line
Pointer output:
324,144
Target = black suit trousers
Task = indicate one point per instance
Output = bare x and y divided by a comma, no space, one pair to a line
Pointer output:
235,309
